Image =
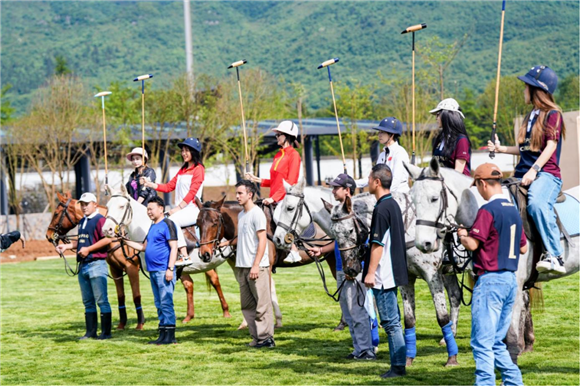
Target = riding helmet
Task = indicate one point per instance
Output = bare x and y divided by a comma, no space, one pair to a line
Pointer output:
287,127
390,125
542,77
191,142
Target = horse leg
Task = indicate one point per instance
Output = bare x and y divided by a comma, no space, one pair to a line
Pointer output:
213,278
408,297
275,305
513,335
188,286
133,273
435,282
117,275
331,261
528,330
454,295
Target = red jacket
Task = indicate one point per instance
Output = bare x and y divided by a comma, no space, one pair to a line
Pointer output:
286,166
186,183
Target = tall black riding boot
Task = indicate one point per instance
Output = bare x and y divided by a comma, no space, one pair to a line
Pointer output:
91,322
169,335
162,331
106,326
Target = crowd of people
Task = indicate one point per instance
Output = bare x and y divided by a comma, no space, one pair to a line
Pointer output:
385,269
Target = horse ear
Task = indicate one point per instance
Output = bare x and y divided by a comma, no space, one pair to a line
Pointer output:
221,202
108,190
124,190
60,197
414,171
287,186
198,202
327,205
434,166
347,205
296,189
467,209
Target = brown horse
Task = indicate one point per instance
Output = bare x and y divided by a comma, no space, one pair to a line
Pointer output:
219,219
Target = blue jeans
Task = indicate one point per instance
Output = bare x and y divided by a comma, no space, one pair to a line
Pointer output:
93,283
163,296
391,322
494,295
542,196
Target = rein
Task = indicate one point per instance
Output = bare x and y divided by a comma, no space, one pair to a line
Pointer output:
443,206
127,215
219,235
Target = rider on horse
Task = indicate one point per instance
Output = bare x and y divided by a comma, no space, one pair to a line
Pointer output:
138,157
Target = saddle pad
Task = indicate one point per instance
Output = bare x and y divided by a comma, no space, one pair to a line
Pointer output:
309,232
568,212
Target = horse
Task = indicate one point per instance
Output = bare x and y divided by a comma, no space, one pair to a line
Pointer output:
218,220
124,213
303,205
120,258
443,196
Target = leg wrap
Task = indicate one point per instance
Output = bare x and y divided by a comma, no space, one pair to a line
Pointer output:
411,342
449,340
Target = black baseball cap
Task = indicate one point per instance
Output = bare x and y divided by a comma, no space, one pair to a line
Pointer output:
344,181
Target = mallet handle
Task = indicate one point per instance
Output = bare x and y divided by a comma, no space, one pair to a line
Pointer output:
105,138
413,99
337,125
246,160
493,131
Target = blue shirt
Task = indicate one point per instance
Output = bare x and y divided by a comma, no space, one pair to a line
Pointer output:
158,249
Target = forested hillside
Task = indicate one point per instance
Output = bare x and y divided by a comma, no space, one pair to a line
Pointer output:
107,41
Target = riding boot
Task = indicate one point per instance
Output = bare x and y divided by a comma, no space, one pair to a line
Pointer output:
161,338
169,335
105,326
91,322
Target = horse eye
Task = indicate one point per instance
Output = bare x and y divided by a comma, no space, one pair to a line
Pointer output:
434,198
290,208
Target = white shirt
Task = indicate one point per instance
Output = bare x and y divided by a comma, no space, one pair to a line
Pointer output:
397,155
249,223
533,114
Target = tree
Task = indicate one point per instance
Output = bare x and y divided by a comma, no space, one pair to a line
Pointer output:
569,93
6,110
61,67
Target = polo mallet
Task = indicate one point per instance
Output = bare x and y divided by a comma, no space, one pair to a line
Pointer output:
327,64
493,130
142,78
412,29
103,94
237,65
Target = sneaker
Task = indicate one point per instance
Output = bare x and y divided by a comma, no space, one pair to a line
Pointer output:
183,261
551,264
366,356
350,356
293,257
395,371
268,343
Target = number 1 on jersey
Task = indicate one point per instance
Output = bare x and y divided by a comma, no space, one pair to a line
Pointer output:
512,242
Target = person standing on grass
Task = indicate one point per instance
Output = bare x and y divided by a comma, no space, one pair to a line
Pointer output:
385,267
160,255
252,268
91,249
498,239
355,314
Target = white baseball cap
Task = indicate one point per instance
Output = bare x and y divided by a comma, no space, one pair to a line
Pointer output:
137,151
287,127
88,197
448,104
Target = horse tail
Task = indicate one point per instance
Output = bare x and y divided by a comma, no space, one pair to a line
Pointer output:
537,298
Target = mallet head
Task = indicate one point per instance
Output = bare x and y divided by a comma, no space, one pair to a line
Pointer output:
414,28
103,93
238,63
328,63
143,77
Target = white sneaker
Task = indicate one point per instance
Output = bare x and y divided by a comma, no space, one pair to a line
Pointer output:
551,264
293,257
183,261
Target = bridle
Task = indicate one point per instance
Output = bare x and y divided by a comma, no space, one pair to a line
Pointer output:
442,221
361,230
57,236
127,215
291,233
215,242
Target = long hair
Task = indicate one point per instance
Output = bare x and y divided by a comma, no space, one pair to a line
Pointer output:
544,102
452,127
195,157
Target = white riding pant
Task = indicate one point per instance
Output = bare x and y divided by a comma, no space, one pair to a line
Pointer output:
184,218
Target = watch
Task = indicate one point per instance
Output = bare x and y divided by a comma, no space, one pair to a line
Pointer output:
536,168
170,268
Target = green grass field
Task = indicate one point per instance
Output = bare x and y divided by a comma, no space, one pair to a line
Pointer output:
42,315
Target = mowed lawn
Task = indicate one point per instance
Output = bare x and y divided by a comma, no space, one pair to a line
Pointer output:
42,317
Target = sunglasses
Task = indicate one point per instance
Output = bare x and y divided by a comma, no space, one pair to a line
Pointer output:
278,134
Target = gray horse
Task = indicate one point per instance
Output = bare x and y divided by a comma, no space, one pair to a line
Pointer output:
442,195
309,202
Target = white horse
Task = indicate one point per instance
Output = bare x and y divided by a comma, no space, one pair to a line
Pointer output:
442,195
309,201
124,211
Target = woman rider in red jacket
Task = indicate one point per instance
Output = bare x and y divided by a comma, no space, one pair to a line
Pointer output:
286,167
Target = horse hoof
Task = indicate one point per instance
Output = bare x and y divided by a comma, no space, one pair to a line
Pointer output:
139,327
121,326
227,314
187,319
452,361
442,342
340,327
409,362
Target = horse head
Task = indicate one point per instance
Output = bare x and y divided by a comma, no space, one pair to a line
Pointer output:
294,216
438,194
65,217
119,212
211,226
351,234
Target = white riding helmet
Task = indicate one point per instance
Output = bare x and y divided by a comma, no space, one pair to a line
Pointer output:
137,151
287,127
448,104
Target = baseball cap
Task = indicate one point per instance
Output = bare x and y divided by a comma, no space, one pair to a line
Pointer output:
88,197
343,180
487,171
